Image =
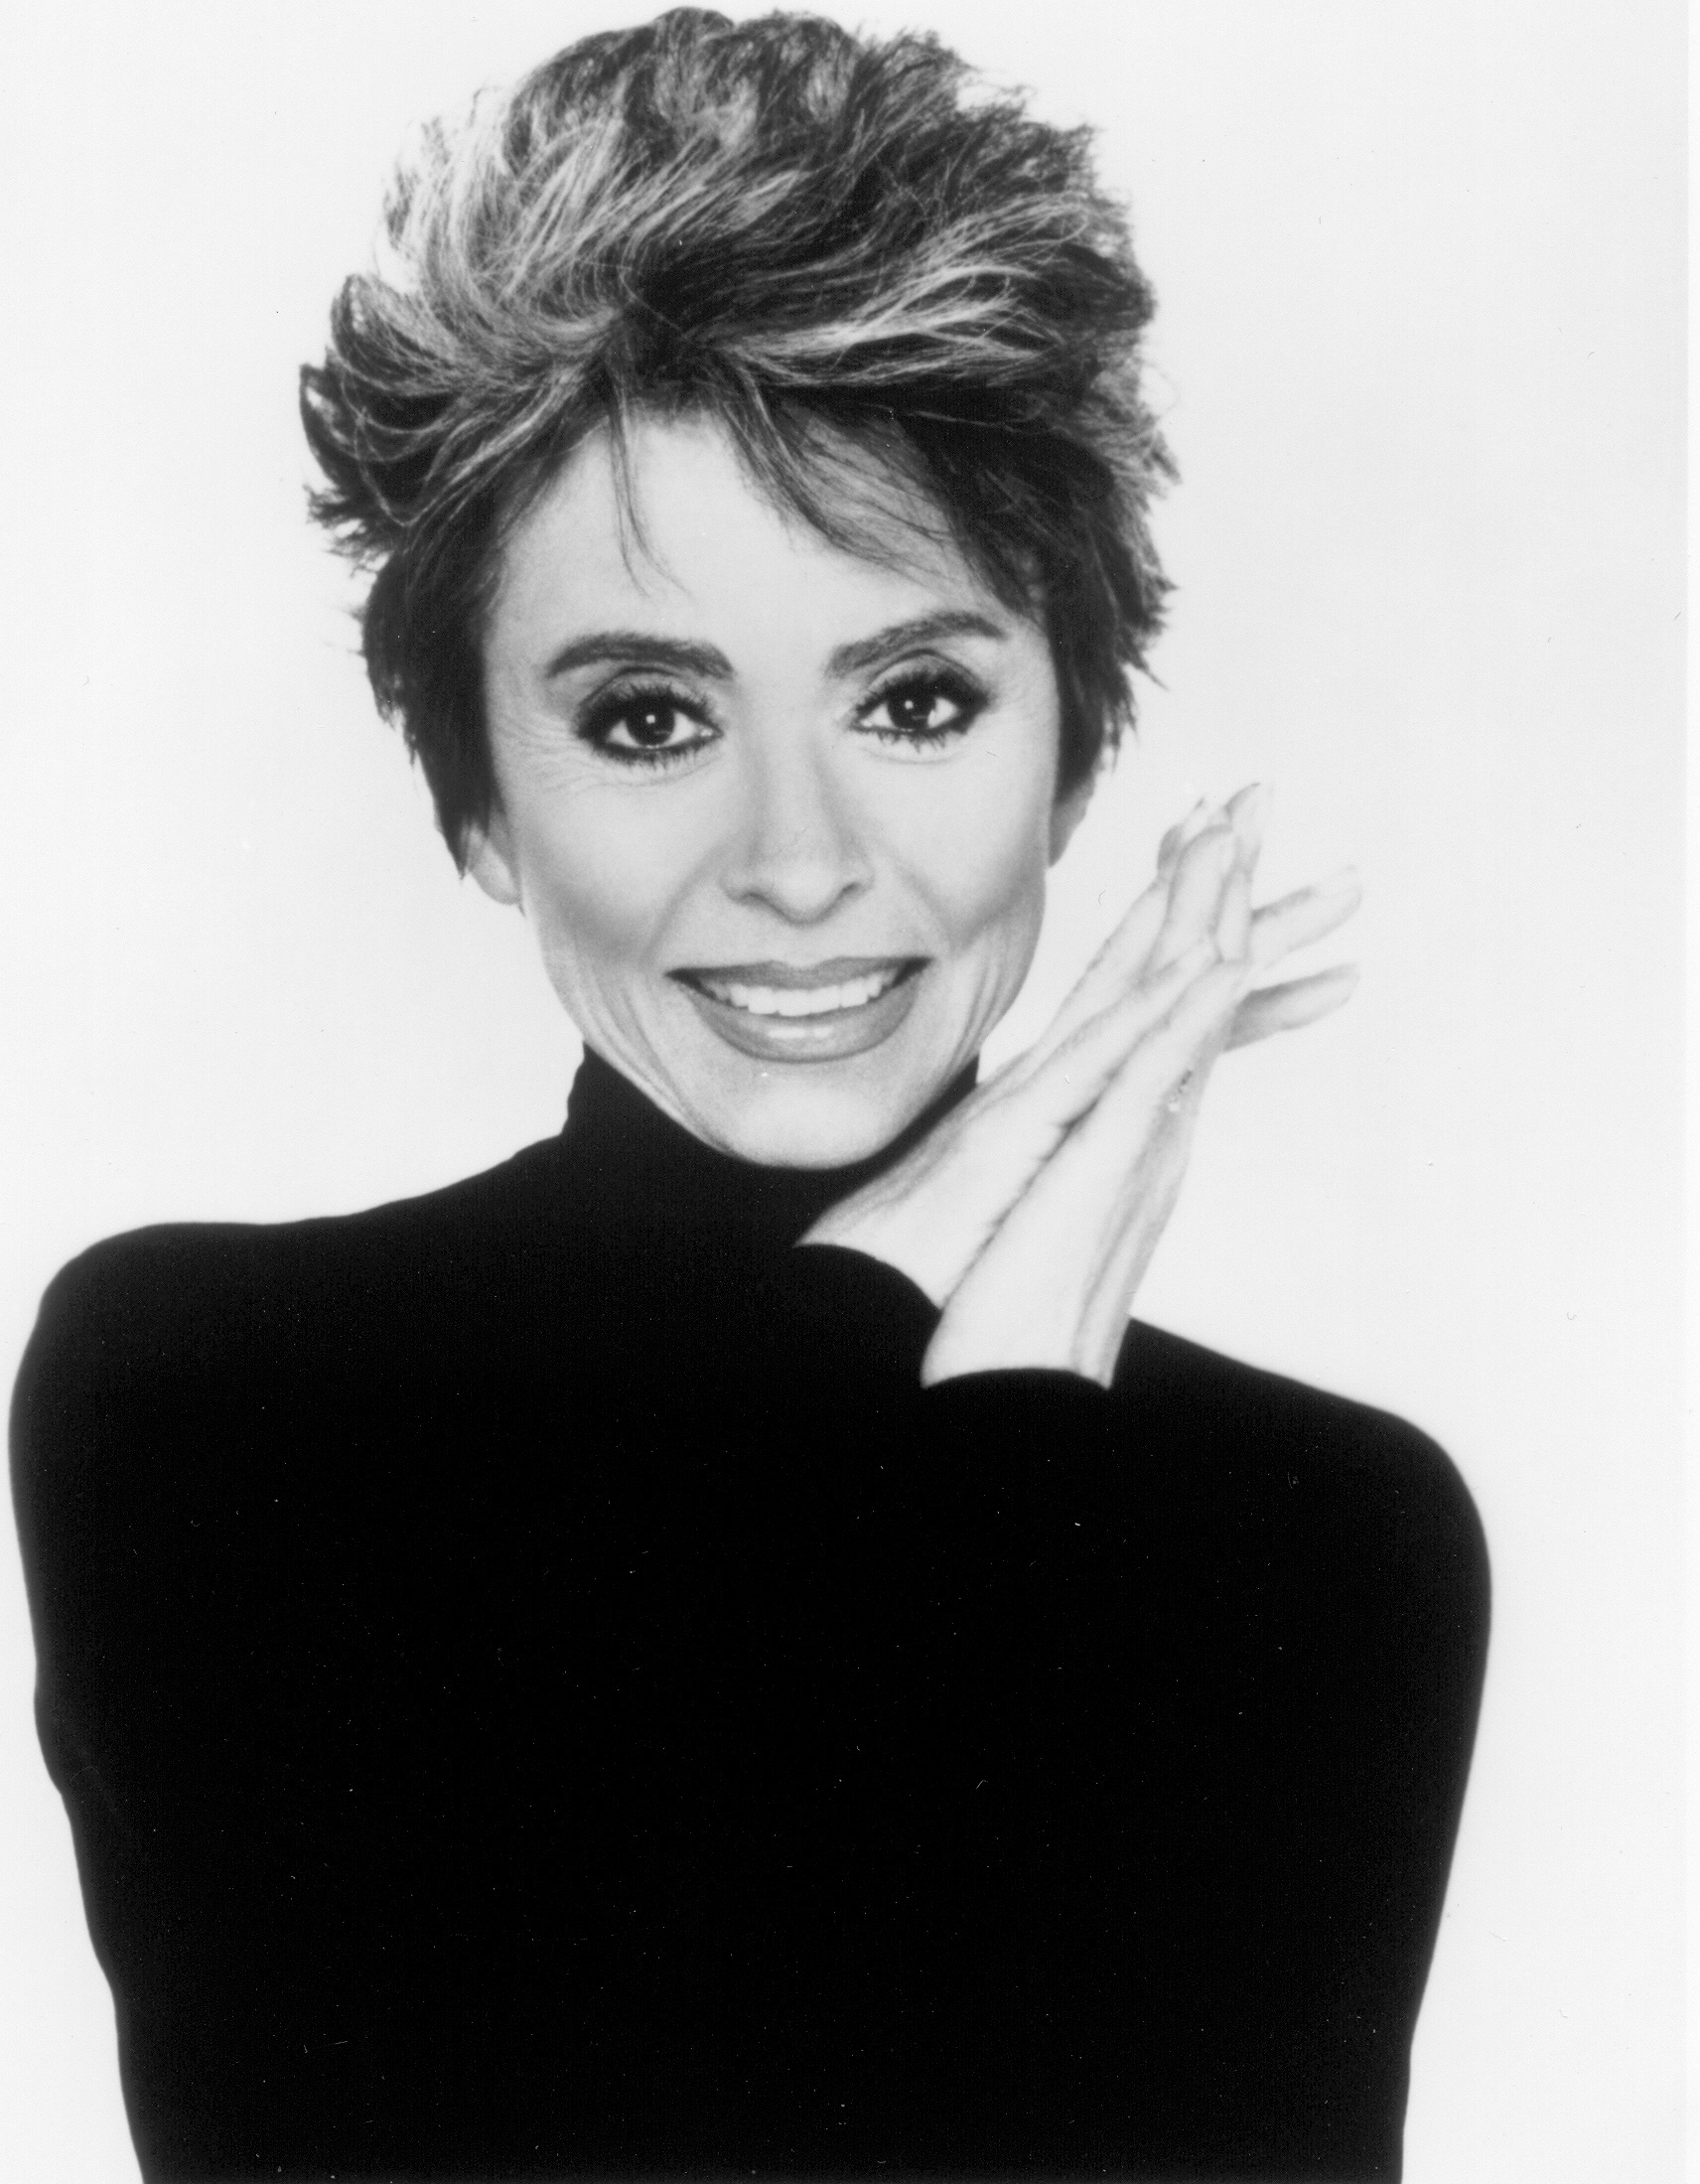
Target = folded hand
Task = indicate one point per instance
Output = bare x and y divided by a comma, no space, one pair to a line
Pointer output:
1031,1213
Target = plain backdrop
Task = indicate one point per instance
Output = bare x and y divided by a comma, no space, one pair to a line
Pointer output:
1419,353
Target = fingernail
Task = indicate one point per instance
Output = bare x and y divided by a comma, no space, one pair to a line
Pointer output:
1176,838
1251,812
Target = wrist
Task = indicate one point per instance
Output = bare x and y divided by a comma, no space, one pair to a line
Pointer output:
1027,1345
899,1242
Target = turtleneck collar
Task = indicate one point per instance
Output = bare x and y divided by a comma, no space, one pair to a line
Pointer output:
621,1146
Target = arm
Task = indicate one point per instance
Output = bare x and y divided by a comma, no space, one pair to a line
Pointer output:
1174,1688
186,1476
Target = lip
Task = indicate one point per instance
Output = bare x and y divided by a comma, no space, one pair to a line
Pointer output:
832,1036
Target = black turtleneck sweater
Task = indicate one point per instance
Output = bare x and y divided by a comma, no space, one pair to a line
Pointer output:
540,1690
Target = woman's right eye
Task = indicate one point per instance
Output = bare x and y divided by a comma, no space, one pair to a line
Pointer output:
643,728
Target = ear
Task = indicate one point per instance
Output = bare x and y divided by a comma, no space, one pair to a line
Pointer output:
1067,813
492,862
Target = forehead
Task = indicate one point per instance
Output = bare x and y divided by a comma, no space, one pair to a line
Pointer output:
672,529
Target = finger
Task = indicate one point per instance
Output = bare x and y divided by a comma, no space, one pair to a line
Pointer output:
1299,919
1234,921
1186,1093
1184,831
1182,1045
1247,813
1130,946
1122,955
1289,1007
1018,1124
1063,1080
1195,891
1114,968
1054,1283
1099,1176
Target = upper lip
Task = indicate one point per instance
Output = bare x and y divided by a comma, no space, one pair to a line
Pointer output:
836,971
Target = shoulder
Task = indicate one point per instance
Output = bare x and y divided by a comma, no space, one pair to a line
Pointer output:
191,1313
1355,1494
146,1269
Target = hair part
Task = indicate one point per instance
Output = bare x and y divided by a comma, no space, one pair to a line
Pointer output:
837,249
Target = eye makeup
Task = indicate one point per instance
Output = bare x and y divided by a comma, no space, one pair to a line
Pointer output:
634,724
910,700
641,722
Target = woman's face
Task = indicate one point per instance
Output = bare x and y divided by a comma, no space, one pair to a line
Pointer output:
780,816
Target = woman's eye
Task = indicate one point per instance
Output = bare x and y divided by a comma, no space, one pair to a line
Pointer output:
922,709
643,727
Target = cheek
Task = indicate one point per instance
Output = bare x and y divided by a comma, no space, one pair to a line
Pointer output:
603,874
976,850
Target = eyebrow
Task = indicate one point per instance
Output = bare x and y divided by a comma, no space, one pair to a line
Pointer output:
900,637
606,646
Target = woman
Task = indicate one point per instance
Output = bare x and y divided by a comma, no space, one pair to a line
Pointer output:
716,1645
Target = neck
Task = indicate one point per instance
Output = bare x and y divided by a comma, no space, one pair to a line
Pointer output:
623,1147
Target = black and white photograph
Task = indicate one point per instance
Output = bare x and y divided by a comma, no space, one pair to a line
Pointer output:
845,1253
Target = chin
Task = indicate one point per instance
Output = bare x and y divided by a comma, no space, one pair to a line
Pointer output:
785,1113
786,1121
828,1114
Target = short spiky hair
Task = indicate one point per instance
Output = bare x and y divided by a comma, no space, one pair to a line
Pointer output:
828,243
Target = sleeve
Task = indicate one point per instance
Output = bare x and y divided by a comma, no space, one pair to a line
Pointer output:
1007,1773
130,1621
1175,1697
1384,1611
1313,1644
179,1680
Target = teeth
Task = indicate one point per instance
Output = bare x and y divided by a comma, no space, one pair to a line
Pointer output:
854,993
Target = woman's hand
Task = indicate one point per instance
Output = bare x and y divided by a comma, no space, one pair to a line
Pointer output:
1031,1213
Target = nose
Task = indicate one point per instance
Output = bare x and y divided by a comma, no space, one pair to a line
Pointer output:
797,848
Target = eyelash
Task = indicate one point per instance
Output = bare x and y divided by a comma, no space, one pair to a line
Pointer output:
949,683
607,711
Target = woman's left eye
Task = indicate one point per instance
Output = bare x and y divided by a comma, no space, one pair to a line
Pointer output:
921,710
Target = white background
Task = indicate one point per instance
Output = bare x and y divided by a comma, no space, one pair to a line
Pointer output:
1420,356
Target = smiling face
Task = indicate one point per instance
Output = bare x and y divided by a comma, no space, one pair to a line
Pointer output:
780,816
